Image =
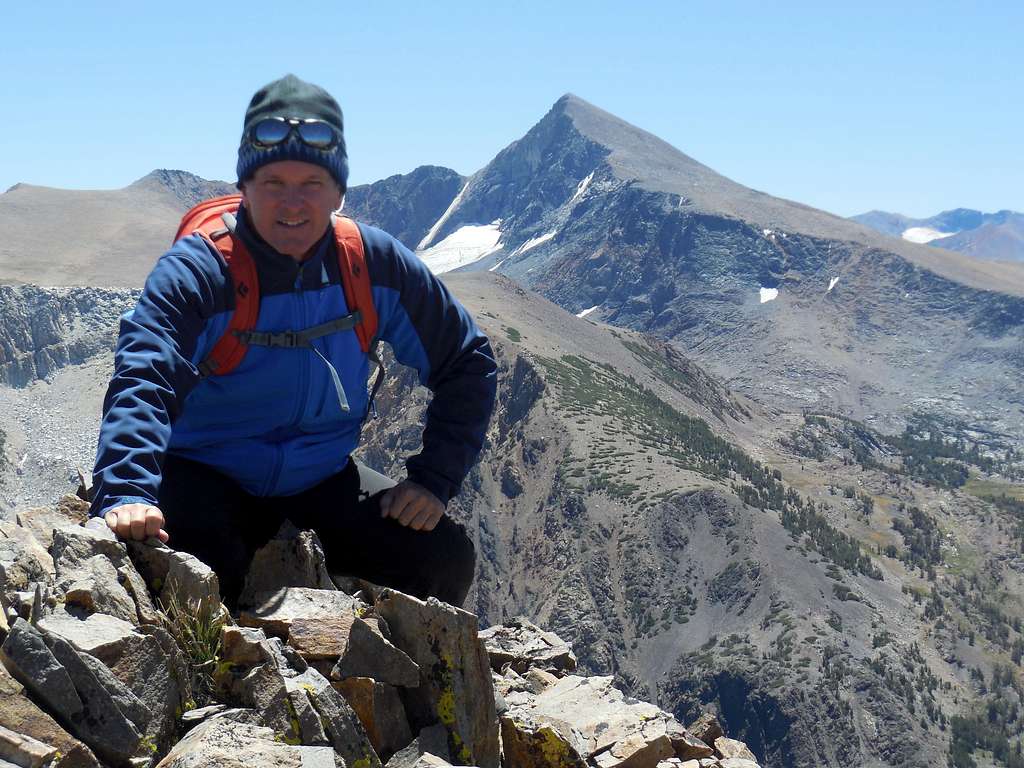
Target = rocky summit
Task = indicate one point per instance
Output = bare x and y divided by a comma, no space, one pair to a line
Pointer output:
122,655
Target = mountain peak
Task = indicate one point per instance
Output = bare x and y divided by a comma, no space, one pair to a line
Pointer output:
186,187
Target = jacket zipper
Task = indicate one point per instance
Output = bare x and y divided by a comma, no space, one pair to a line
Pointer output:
302,373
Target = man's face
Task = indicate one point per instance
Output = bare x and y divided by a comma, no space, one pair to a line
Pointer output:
290,203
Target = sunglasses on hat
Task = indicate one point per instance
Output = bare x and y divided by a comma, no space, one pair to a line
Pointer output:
271,131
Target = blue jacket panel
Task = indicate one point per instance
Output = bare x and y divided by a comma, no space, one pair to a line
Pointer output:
275,424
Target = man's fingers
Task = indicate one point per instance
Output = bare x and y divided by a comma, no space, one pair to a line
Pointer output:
427,519
411,510
138,523
154,521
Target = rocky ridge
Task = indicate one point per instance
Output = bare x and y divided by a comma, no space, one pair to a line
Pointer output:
122,655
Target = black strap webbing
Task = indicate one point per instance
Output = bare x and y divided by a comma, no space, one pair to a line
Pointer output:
293,339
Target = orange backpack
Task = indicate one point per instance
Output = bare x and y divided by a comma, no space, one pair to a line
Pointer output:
214,221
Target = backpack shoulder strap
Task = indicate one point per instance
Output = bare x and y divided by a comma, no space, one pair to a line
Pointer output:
355,280
214,220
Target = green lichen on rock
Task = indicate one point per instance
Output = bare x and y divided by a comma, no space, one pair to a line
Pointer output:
445,709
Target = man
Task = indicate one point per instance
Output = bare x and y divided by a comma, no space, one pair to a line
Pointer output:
214,464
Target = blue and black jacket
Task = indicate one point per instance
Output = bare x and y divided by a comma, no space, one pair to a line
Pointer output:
275,424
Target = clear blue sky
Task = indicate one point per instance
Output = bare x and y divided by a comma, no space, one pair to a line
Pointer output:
909,107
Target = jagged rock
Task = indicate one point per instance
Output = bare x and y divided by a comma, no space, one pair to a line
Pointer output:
737,762
79,689
530,745
380,711
23,560
24,750
89,563
72,547
94,587
41,521
523,644
706,728
368,654
275,611
30,661
133,584
429,760
633,752
324,638
340,723
112,719
689,747
431,741
588,719
293,558
281,683
174,576
99,635
21,715
244,646
193,717
227,744
727,747
146,671
455,677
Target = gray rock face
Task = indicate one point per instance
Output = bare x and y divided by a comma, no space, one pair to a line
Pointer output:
43,329
112,719
368,654
292,558
405,205
275,611
30,661
293,699
19,714
23,560
41,521
175,575
222,742
522,644
460,694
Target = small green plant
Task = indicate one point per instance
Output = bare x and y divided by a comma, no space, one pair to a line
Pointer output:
196,628
513,335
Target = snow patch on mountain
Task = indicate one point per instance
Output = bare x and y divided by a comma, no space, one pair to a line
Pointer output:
924,234
534,242
444,217
586,312
832,284
581,188
769,294
464,246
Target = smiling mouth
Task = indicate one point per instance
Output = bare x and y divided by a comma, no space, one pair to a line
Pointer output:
292,224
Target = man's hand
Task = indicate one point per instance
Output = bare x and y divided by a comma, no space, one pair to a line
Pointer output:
137,521
412,505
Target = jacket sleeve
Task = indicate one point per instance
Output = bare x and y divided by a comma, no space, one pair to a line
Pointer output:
429,330
153,374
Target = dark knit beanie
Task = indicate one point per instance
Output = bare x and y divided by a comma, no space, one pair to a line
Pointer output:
292,97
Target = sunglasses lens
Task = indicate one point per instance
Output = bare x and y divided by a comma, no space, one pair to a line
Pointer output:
318,135
270,132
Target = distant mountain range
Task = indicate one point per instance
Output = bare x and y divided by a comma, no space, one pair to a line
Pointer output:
998,236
